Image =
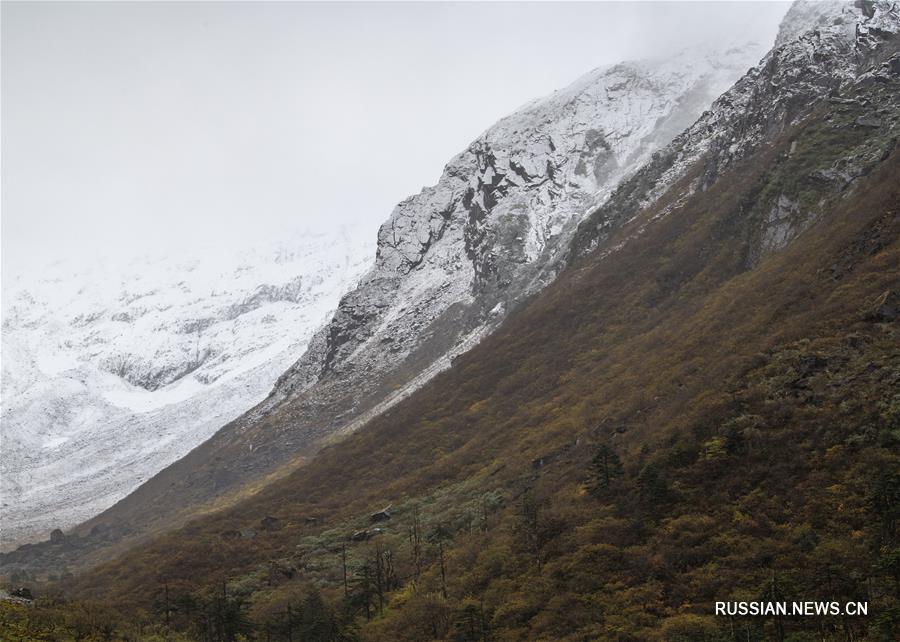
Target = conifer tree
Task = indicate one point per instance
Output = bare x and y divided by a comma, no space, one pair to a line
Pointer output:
605,467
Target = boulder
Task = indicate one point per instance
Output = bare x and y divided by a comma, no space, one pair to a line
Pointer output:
381,516
869,121
23,593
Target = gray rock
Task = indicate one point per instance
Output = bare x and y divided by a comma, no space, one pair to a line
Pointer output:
869,121
381,516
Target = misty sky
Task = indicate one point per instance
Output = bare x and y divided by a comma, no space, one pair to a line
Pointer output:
131,127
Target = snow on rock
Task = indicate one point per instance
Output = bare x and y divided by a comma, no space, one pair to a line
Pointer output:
114,369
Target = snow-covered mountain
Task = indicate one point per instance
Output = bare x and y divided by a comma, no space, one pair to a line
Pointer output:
456,258
451,262
492,231
113,369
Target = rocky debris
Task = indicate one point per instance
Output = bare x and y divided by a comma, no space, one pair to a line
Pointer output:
891,67
839,175
812,15
381,516
364,534
886,308
248,533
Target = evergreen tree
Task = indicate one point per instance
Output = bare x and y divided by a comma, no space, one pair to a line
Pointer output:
605,467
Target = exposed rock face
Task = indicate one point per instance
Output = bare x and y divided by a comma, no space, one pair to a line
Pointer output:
381,516
454,259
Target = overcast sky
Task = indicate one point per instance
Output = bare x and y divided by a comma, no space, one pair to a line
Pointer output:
130,127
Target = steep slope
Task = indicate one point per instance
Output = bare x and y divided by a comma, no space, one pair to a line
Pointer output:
748,388
108,379
451,262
